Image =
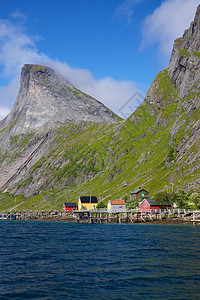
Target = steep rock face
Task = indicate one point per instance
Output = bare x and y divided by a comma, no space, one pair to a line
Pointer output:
177,90
184,66
184,71
46,100
158,145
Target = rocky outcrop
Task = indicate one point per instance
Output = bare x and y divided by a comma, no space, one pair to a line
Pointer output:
184,66
158,145
46,100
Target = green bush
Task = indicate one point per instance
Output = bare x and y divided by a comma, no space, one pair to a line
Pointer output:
101,205
184,52
170,156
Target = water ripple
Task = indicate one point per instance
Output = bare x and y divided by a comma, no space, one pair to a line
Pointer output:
57,260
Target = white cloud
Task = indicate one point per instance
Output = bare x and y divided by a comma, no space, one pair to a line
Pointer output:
167,23
17,14
17,49
127,9
4,111
110,92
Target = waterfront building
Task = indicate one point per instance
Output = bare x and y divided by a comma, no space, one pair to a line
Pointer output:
138,194
149,206
69,207
116,206
87,202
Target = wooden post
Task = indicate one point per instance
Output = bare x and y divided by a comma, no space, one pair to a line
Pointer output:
193,219
90,217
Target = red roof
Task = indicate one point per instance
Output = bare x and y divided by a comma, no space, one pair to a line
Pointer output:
117,202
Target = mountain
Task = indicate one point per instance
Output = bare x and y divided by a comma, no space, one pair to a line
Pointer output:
45,100
157,147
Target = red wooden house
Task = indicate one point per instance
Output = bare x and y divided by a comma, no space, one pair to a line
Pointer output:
69,207
148,206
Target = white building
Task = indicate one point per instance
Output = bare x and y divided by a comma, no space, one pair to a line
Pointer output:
116,206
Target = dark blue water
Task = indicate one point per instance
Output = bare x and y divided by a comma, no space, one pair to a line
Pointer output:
56,260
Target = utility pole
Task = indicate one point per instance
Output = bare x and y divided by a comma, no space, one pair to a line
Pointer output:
172,186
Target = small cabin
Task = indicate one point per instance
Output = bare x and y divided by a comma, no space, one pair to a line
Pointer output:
138,194
116,206
87,202
149,206
69,207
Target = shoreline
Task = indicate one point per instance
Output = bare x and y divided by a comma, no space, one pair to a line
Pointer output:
103,217
166,221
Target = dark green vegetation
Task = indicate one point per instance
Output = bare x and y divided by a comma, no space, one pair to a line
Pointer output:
180,199
100,158
156,148
184,52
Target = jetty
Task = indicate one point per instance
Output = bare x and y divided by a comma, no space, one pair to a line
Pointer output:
103,216
130,216
196,217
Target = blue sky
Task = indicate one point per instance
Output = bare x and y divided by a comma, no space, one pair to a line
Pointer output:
110,49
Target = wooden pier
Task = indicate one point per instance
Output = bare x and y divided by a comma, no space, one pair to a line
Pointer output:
130,216
103,216
196,217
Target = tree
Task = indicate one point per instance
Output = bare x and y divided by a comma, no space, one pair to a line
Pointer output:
195,198
182,199
101,205
173,197
162,198
132,204
125,198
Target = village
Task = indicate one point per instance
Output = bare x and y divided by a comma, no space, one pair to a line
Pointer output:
140,208
89,210
139,196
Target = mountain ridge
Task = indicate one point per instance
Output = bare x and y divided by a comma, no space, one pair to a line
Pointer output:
46,100
157,147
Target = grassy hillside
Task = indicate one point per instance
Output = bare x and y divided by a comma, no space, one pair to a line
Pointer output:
110,160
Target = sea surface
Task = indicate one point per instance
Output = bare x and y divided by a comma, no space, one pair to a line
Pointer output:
58,260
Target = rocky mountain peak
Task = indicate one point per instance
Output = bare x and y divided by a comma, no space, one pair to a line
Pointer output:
156,147
46,100
184,66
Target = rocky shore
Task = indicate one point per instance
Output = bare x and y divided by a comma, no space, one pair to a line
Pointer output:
113,219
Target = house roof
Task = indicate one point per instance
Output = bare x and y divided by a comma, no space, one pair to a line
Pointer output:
88,199
151,203
70,204
117,202
135,191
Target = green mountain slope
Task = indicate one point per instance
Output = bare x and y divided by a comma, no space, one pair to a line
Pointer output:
110,160
157,146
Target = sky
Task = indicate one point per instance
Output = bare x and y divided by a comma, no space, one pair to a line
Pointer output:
109,49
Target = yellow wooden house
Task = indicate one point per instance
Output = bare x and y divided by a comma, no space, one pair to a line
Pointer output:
87,202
